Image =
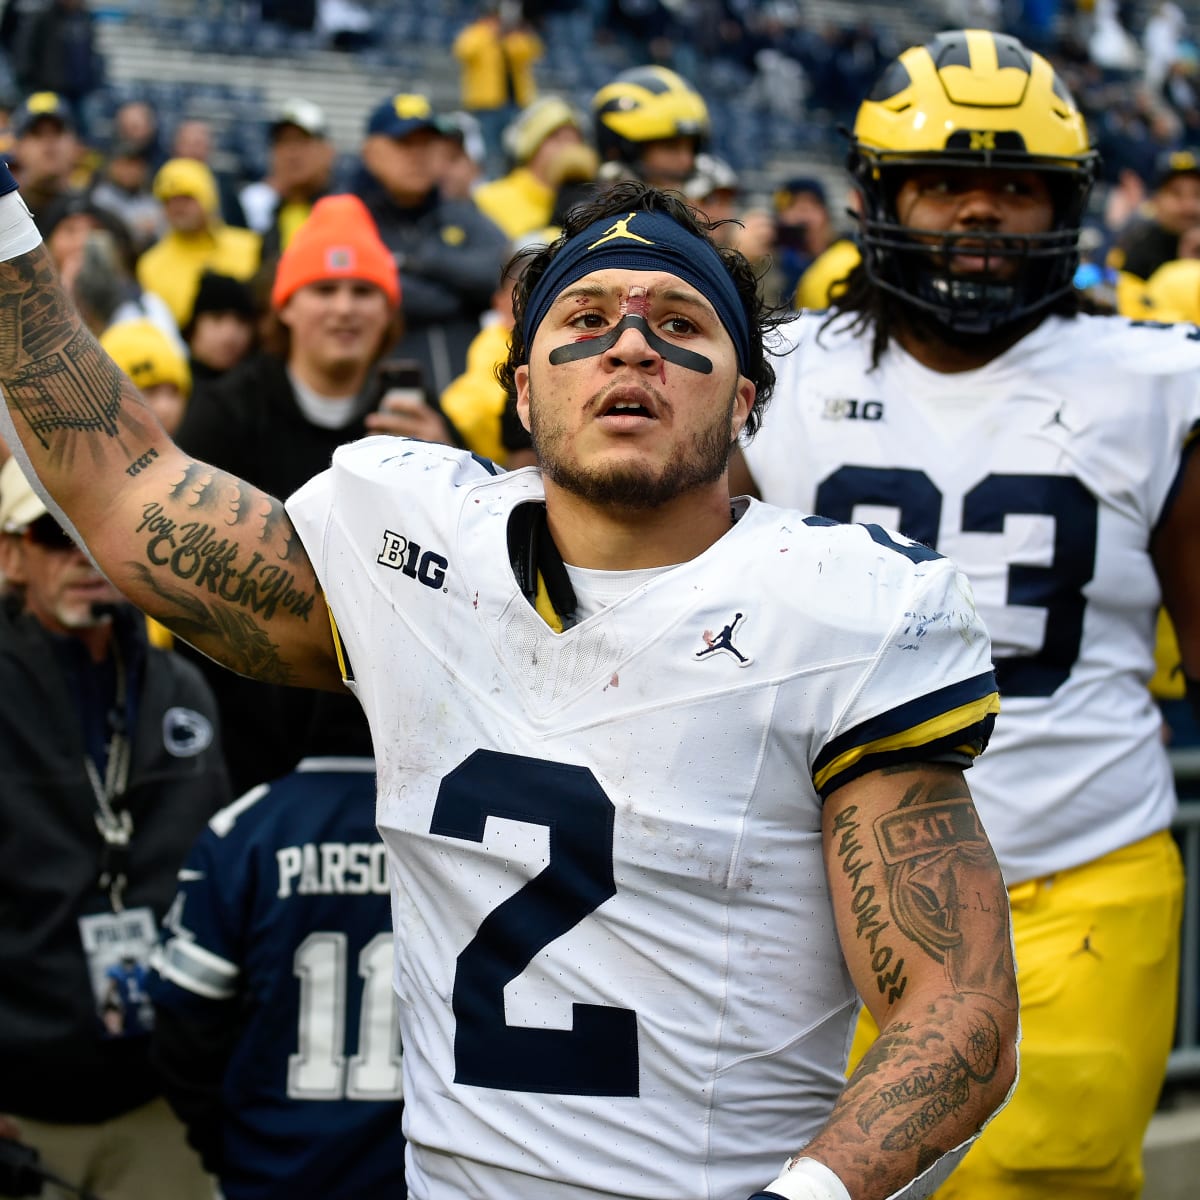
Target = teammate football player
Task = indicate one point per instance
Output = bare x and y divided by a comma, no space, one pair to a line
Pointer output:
649,123
665,781
956,392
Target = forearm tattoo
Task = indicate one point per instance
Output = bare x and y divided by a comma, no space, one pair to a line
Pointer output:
919,1092
939,1088
923,882
225,592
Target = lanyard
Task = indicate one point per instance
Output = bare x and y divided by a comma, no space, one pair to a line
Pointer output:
114,826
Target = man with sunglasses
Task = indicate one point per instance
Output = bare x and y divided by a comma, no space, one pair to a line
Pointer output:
111,767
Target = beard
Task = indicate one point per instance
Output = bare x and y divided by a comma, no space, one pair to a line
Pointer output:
75,614
635,485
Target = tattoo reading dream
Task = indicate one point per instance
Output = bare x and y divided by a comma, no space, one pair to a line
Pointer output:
218,561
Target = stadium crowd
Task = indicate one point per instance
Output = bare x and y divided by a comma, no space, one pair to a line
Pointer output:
162,1014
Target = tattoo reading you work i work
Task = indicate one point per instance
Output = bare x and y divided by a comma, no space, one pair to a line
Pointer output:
196,553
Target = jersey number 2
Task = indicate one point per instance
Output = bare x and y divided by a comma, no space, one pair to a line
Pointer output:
598,1055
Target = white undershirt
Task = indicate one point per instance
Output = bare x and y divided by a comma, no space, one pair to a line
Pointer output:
329,412
597,590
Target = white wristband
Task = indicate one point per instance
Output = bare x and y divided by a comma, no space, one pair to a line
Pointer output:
18,233
808,1179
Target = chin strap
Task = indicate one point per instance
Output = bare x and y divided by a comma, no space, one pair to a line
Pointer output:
538,566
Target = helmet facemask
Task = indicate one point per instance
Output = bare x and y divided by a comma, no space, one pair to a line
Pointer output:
994,106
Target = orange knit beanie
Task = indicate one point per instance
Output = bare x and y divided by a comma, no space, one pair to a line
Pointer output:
337,241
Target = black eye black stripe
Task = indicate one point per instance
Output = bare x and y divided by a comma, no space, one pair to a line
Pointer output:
589,347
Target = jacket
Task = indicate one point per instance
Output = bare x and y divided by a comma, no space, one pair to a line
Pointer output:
247,422
173,265
450,258
519,202
57,1065
475,401
496,68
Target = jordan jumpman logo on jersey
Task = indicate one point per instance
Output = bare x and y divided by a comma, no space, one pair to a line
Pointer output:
724,641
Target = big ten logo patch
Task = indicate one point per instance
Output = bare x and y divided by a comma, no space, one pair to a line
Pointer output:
407,557
842,408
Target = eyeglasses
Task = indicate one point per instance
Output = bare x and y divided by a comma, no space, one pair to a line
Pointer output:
47,533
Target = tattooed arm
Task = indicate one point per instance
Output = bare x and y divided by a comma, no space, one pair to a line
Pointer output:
923,916
215,560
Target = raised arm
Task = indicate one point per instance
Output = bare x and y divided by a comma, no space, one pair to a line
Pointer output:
215,560
923,917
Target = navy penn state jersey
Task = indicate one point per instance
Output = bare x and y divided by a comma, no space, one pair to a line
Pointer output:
618,964
282,918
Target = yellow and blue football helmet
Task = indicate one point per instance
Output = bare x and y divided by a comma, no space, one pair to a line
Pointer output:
971,98
646,104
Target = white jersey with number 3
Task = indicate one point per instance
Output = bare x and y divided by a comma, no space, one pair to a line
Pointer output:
615,953
1043,476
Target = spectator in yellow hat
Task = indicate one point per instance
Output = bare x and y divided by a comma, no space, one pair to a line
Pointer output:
45,150
196,239
451,254
1152,237
155,364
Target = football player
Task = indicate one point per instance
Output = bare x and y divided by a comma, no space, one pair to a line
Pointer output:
666,782
955,391
649,123
276,1035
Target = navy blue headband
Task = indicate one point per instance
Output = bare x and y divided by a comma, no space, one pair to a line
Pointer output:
643,241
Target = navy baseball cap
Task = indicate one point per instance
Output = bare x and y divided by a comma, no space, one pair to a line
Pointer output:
800,185
1175,162
402,114
48,105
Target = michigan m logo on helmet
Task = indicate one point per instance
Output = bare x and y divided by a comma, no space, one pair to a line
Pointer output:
646,104
971,99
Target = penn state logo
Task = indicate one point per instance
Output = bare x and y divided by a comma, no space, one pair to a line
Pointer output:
186,732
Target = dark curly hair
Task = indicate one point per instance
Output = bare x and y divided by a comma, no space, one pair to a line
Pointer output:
633,196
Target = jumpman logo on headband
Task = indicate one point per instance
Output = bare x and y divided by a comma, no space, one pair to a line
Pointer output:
620,229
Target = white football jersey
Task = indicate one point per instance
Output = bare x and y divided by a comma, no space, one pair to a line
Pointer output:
1043,476
616,958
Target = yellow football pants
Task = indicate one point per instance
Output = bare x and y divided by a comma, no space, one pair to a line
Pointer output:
1097,952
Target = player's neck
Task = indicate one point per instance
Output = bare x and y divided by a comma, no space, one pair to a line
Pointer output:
948,354
604,538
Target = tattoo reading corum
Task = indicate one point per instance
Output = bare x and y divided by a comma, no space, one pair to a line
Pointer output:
193,551
140,464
